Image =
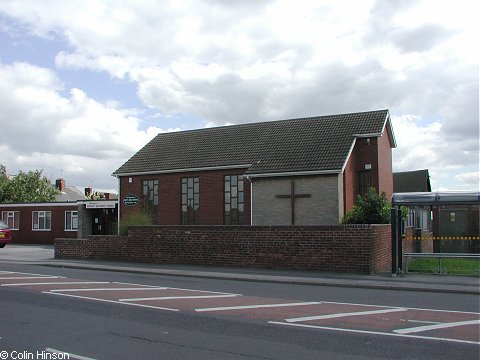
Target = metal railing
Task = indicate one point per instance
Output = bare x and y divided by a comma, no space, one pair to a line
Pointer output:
440,256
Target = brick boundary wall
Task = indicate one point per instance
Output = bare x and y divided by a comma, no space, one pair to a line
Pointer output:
342,248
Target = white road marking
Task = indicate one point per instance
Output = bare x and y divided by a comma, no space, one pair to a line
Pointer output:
436,326
374,333
397,307
424,322
23,273
180,297
241,307
31,277
58,283
204,291
125,283
70,355
109,301
108,289
341,315
290,322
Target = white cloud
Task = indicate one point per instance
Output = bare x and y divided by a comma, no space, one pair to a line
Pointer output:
422,146
472,178
248,61
41,129
417,144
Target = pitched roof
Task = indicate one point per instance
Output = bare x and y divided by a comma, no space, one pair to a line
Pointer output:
411,181
320,144
70,193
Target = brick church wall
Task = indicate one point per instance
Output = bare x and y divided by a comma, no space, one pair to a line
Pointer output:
377,153
169,190
385,172
350,183
342,248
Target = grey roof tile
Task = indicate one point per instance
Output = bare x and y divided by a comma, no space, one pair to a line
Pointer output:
319,143
411,181
70,193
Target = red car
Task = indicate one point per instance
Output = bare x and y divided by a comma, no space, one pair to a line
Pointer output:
5,234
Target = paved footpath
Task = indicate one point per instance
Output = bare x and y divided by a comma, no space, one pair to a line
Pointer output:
438,325
43,255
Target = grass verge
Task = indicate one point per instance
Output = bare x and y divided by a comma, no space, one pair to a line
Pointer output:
448,266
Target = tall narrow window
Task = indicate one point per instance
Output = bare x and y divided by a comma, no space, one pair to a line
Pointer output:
190,214
71,220
41,220
364,182
150,197
12,219
234,200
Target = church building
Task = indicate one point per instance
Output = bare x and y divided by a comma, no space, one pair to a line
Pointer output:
305,171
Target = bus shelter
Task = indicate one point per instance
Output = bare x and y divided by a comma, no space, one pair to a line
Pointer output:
438,224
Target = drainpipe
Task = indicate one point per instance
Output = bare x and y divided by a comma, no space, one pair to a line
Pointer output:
251,200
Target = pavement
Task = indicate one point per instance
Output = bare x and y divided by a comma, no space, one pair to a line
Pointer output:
44,255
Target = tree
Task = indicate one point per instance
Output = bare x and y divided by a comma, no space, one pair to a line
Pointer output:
26,187
370,208
3,182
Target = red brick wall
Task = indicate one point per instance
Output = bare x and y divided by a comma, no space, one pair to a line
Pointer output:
362,154
379,155
349,248
25,234
385,174
350,182
367,154
383,249
95,247
211,195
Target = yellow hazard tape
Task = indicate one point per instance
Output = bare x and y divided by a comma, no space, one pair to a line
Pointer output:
435,238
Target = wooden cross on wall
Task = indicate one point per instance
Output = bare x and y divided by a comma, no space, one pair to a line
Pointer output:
292,196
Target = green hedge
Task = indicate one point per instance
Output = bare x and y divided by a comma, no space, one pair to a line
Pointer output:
370,208
134,218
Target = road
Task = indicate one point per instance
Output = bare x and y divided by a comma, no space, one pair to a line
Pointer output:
108,315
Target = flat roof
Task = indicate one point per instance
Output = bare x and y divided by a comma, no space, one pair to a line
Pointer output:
436,198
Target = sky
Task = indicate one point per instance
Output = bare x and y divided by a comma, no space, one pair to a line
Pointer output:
85,84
